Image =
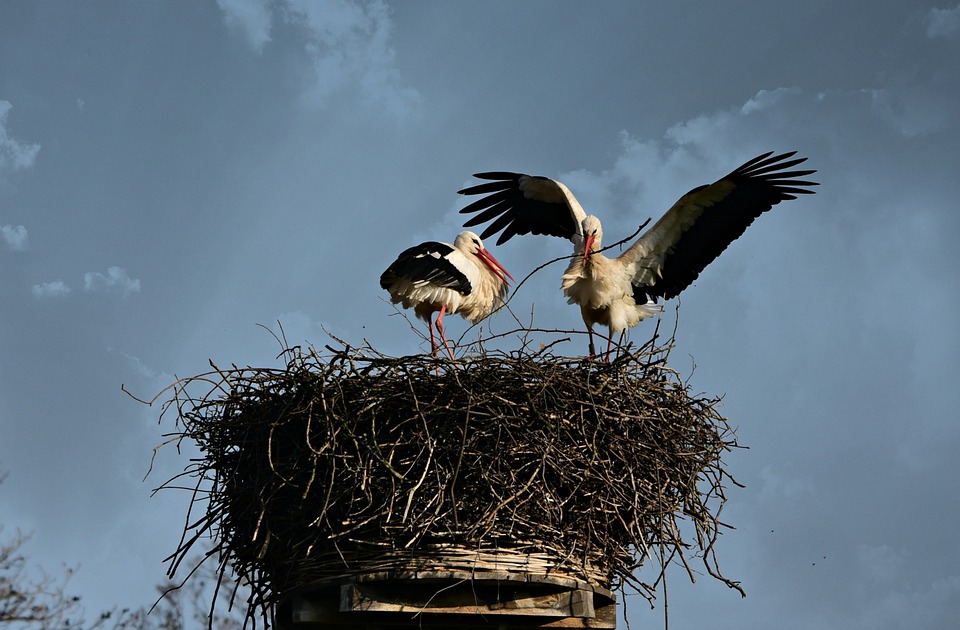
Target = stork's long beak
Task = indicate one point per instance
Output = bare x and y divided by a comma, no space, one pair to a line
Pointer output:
587,246
494,264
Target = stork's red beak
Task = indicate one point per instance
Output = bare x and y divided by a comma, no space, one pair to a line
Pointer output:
587,246
494,264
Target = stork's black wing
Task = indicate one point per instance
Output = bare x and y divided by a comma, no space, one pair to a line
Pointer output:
703,222
523,204
427,263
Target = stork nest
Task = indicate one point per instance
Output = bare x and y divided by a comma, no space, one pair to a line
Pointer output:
346,459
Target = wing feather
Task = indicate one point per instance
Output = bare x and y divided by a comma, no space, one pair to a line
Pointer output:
703,222
427,263
496,209
523,204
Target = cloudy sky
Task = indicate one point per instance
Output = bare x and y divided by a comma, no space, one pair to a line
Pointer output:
174,174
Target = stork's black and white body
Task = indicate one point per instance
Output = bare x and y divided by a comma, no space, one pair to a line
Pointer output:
433,277
620,292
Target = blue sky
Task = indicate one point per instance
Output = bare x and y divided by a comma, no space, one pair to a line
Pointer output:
174,174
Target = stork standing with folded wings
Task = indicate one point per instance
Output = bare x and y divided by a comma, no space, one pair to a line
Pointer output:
620,292
433,277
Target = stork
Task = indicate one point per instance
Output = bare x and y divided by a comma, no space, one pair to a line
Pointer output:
461,278
620,292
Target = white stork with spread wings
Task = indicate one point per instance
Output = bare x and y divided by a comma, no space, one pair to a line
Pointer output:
461,278
620,292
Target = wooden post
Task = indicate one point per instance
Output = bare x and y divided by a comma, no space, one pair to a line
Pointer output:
448,599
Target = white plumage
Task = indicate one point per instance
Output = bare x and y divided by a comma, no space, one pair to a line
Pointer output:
434,277
620,292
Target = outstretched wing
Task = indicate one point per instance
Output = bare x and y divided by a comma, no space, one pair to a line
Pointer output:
523,204
703,222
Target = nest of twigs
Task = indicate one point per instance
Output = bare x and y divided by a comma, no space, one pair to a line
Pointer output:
345,461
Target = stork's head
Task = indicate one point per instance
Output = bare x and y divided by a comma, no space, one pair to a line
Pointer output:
470,243
592,236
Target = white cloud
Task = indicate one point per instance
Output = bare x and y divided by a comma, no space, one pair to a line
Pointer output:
765,99
252,18
15,237
54,289
347,45
349,48
141,368
943,22
14,155
912,112
719,136
116,280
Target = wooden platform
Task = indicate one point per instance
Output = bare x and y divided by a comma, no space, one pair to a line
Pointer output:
455,600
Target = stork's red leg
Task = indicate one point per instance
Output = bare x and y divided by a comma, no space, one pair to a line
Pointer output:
433,341
443,309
